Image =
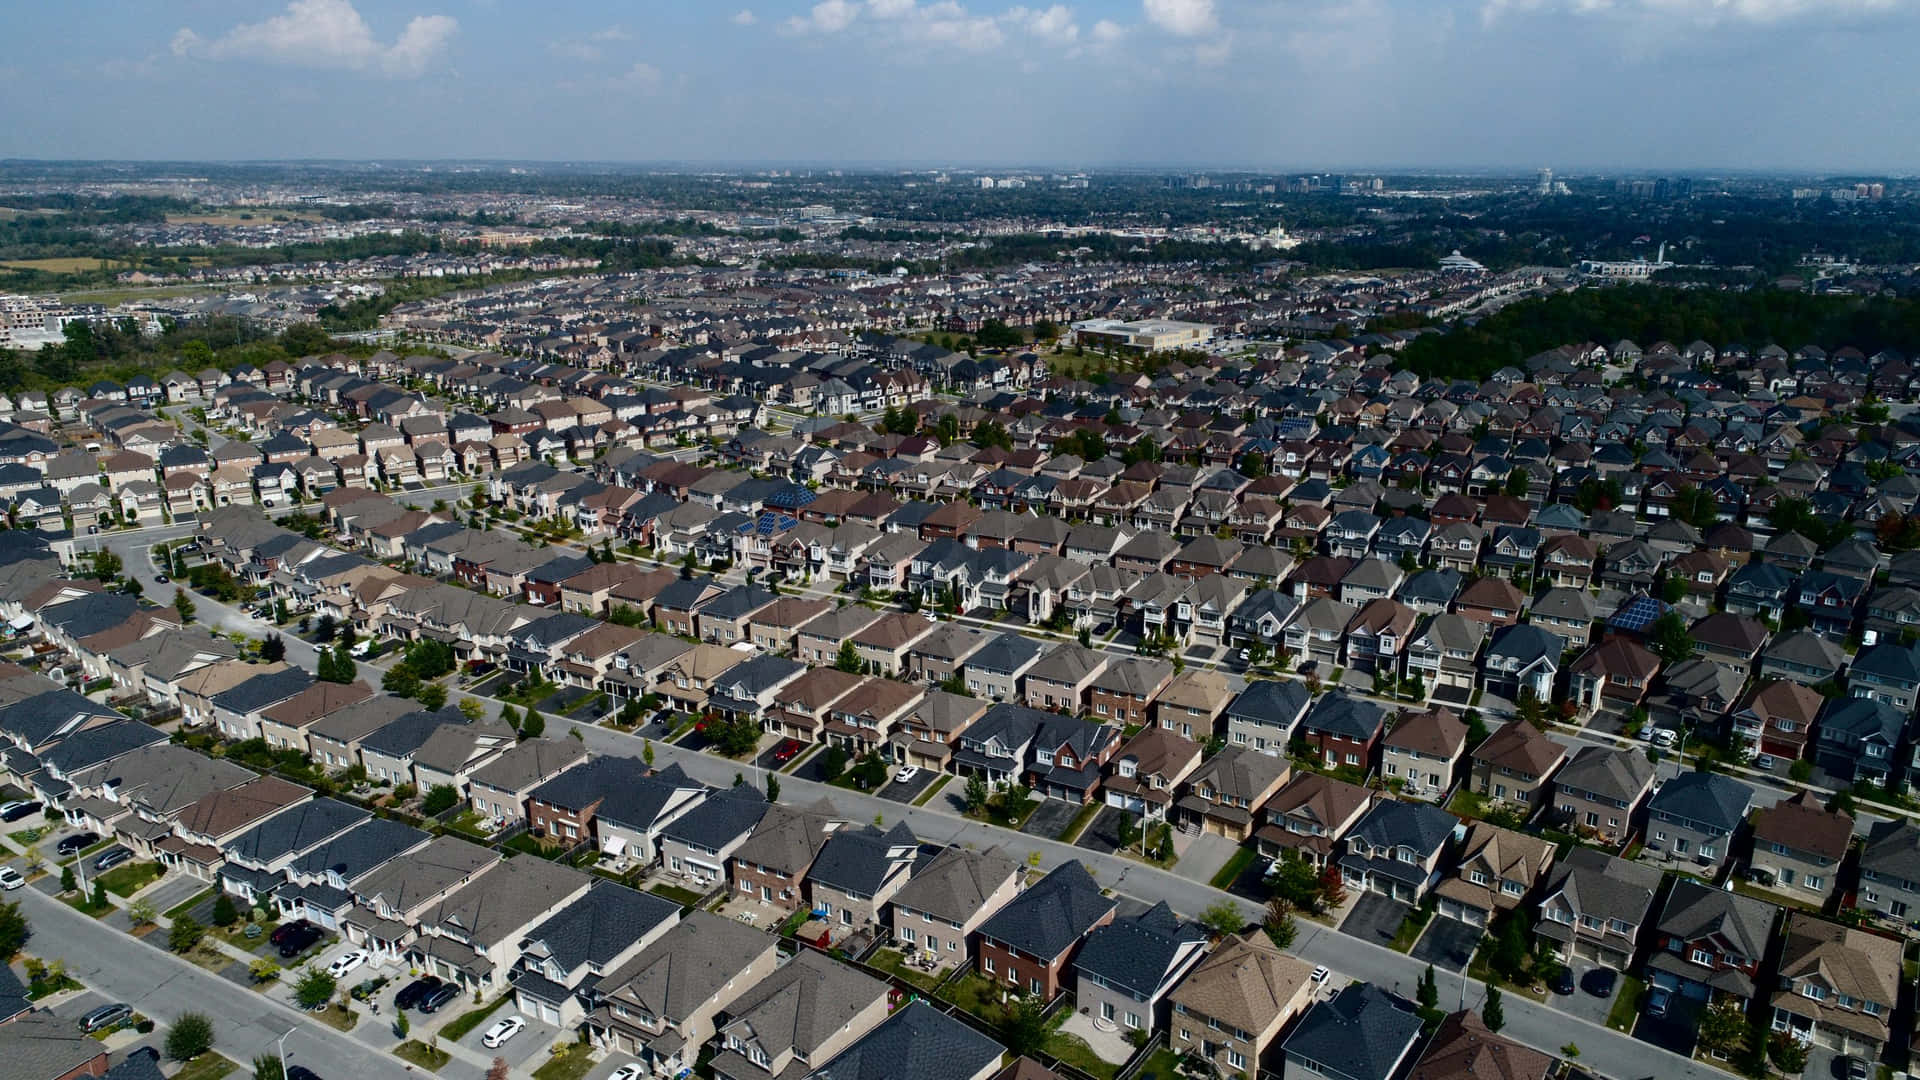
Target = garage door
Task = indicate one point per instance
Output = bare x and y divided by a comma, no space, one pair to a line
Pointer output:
1452,909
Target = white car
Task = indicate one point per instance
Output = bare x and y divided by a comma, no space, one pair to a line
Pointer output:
906,775
629,1071
1319,975
345,964
10,878
501,1031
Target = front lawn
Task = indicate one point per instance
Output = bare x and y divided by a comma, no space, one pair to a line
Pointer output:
419,1053
337,1017
129,878
1410,928
569,1062
932,790
1626,1004
471,1019
1079,823
1234,867
208,1066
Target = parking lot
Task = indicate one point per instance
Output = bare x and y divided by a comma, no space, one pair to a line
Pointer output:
1375,918
1447,943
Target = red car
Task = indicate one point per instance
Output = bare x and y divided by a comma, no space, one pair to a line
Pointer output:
786,751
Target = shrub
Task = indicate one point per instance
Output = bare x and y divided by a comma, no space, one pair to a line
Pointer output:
314,989
191,1036
185,934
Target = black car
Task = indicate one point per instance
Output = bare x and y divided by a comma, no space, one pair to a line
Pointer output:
18,809
1563,982
301,1072
112,858
77,843
433,999
410,995
298,941
1600,981
280,932
1848,1067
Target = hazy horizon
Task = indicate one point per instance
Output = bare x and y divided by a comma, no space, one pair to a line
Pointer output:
1410,86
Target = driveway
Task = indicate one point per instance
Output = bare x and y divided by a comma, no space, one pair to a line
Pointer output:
1102,834
907,792
1677,1031
1375,918
1448,943
1585,1005
769,758
1050,818
605,1068
1202,856
695,740
531,1043
175,890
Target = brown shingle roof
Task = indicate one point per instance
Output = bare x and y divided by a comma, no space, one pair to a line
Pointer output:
1522,747
1803,824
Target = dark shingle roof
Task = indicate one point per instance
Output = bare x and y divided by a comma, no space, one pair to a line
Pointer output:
919,1042
1052,914
727,815
1362,1033
1136,953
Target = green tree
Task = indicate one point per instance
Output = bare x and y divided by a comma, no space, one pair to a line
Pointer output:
472,708
1517,482
534,725
224,912
1023,1027
1429,992
1280,924
185,933
773,788
1491,1013
1670,639
1723,1026
400,681
848,659
183,604
440,799
67,882
13,931
1695,506
98,901
142,912
190,1036
273,649
1223,917
106,565
832,763
431,696
314,989
975,797
263,970
646,751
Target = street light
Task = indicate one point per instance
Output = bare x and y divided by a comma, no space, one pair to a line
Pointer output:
281,1044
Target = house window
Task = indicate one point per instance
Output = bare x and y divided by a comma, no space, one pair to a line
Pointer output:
1813,991
987,962
1814,882
1236,1059
1702,956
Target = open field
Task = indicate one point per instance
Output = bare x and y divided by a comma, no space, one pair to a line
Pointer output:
256,216
64,265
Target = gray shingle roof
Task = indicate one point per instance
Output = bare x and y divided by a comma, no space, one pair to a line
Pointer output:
1707,798
918,1042
1051,914
295,830
1362,1033
1137,953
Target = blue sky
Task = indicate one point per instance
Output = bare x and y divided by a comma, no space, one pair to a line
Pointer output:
1814,85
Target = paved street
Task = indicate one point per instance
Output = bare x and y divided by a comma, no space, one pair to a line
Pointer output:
162,985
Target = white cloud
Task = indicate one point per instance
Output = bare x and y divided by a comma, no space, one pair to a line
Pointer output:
326,34
890,9
1699,11
1185,18
641,76
744,17
1108,32
1054,24
612,33
827,17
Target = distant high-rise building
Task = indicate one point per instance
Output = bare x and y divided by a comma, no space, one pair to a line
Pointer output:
1543,182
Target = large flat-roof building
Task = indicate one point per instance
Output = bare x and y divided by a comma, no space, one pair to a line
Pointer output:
1142,335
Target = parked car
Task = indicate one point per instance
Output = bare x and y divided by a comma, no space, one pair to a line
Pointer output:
1319,976
1600,981
111,858
18,809
413,992
1848,1067
162,579
502,1030
299,941
630,1071
907,775
1563,982
286,930
346,963
301,1072
75,844
106,1016
1658,999
10,879
432,1000
786,751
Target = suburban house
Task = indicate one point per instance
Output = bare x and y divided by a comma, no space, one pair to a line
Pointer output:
1342,730
1497,871
1692,818
937,911
1362,1033
1890,872
1856,739
561,958
663,1005
1148,769
1309,816
1227,790
857,872
1515,766
1463,1048
1127,967
1708,943
1838,986
1594,907
1421,752
1600,791
1396,848
810,1009
918,1041
696,846
1265,714
772,862
1232,1007
1798,846
1032,939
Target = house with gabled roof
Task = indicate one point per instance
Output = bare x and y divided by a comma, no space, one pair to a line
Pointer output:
1422,752
1030,941
1516,765
1395,849
1498,871
1231,1008
1837,987
1595,907
1600,791
1265,714
934,915
1798,846
1692,819
664,1004
561,958
1126,969
808,1010
1709,943
1361,1033
1343,729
